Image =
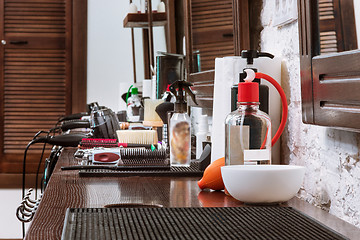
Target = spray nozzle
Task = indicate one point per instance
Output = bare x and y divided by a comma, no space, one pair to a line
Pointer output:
178,88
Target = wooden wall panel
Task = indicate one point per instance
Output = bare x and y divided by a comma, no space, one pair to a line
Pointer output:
36,83
34,86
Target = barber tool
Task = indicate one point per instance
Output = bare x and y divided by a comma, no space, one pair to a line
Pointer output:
105,155
73,116
97,142
104,123
143,157
66,140
116,167
26,211
137,136
74,124
109,143
151,118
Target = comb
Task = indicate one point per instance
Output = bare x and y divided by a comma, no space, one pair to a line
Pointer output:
143,157
87,143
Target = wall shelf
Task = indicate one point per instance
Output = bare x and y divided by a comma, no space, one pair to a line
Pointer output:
140,20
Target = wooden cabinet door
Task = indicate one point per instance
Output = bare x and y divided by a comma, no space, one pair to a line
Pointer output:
35,68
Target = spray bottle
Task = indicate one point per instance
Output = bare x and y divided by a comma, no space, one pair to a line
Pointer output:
180,132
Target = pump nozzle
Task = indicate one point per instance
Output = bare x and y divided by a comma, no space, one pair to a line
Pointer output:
251,54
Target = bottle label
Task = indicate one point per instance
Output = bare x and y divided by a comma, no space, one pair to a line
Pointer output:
244,150
256,156
239,137
180,143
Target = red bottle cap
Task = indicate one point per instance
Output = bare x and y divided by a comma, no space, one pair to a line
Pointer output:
248,92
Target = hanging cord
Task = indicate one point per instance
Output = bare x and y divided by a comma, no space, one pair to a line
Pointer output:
38,169
53,130
23,178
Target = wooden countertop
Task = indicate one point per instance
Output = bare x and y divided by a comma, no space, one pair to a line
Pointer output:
67,190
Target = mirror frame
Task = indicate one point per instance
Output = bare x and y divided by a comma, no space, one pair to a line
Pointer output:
330,84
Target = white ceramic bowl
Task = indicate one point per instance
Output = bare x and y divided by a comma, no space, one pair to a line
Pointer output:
262,183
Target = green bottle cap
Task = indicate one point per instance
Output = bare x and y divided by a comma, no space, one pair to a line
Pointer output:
134,90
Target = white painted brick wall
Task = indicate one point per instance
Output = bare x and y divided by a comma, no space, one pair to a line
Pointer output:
331,157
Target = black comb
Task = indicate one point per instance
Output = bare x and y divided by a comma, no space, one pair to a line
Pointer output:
143,157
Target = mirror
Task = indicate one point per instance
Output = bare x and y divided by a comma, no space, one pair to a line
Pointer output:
213,29
329,61
339,26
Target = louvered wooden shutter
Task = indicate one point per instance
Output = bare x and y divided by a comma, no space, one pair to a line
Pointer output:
336,26
212,30
36,72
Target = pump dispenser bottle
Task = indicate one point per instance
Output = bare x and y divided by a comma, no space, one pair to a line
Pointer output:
248,129
180,132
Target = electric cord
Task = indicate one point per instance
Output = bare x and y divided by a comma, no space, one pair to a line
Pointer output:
36,140
38,170
23,177
52,130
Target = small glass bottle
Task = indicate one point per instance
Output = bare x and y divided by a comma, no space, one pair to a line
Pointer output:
248,130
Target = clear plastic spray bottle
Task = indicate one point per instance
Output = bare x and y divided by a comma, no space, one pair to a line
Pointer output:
180,132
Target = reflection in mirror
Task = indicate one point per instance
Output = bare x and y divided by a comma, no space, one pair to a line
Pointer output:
159,41
339,25
211,32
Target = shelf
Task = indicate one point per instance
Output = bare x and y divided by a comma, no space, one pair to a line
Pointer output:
140,20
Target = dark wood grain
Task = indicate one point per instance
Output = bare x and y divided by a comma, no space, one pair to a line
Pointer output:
66,189
170,29
140,20
326,79
79,56
43,75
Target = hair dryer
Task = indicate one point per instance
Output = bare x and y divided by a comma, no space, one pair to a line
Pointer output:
66,140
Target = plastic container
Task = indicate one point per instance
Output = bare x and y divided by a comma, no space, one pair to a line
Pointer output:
201,135
180,125
180,139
